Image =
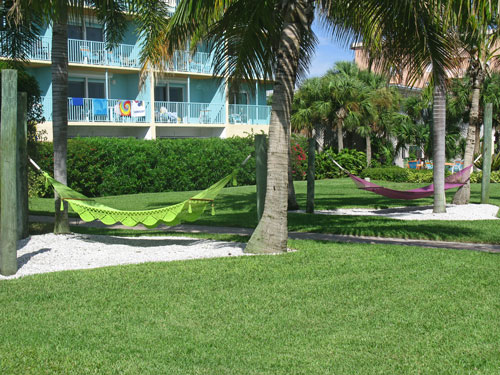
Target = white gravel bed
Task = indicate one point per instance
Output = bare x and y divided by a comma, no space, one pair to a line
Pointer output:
453,212
50,252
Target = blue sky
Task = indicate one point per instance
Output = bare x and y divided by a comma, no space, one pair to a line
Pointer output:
328,52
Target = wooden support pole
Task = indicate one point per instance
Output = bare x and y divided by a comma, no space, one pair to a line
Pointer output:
260,172
8,220
311,156
485,183
22,166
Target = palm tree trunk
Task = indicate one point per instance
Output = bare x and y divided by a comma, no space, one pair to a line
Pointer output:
319,135
438,133
340,136
60,110
477,141
462,196
292,199
368,150
271,234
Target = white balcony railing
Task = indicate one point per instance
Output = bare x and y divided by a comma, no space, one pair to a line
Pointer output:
189,113
107,110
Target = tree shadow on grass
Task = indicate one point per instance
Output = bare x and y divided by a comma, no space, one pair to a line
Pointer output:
467,231
141,242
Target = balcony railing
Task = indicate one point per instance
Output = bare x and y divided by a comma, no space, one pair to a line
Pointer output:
164,112
95,53
249,114
189,113
108,110
184,61
123,55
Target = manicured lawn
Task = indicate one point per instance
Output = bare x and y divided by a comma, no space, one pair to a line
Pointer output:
235,206
325,309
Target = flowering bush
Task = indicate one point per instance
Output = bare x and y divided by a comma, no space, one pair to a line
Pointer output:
299,161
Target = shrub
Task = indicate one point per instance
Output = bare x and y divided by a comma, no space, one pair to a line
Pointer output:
111,166
477,177
394,174
352,160
398,174
299,162
424,176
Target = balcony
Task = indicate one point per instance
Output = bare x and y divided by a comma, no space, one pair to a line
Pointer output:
123,55
116,111
108,110
95,53
189,113
249,114
205,113
184,61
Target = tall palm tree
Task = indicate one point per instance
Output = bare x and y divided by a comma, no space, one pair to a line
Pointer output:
151,17
268,39
479,35
384,105
419,37
273,39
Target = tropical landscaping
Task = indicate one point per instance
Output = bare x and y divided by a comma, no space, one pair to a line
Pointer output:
313,307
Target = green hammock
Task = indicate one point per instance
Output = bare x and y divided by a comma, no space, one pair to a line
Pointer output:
188,210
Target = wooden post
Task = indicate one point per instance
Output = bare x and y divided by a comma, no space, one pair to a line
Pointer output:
485,183
311,156
22,166
8,225
260,172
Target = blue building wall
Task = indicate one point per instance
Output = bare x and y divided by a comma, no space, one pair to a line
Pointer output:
207,91
44,77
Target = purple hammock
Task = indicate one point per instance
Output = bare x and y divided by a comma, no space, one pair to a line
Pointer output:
453,181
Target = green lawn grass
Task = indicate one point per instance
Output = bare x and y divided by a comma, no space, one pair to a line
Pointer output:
235,207
325,309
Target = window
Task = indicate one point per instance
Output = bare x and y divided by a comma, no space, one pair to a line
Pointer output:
94,33
75,32
239,98
85,88
96,90
176,94
76,89
91,33
161,93
169,93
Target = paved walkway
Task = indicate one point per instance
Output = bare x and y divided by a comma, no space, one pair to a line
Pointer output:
184,228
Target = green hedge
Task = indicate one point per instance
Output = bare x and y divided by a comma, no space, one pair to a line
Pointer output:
352,160
111,166
476,177
398,174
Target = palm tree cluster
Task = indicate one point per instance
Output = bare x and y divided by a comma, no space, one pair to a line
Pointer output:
347,99
273,39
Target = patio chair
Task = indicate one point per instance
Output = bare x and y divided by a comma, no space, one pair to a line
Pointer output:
235,118
459,165
86,55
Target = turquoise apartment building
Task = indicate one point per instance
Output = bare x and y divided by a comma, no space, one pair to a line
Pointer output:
104,97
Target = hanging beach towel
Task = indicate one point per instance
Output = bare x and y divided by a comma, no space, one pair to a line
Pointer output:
77,102
138,108
125,107
100,107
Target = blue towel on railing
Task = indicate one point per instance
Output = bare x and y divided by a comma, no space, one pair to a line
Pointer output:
77,102
100,107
